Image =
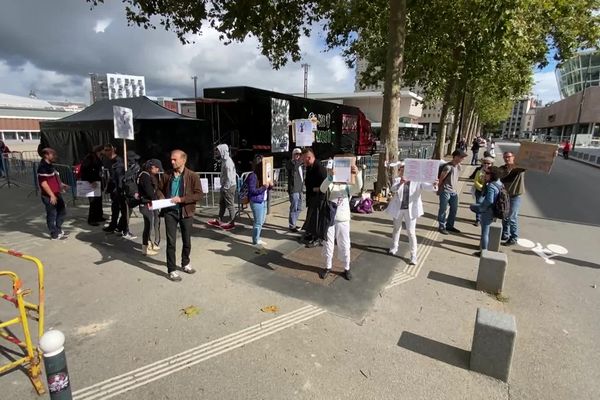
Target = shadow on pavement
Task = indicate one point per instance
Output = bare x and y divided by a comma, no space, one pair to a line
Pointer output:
452,280
566,260
433,349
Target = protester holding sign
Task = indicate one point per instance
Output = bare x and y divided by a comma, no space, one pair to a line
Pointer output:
339,226
514,181
406,206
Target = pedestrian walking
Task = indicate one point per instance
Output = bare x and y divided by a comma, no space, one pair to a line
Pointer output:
124,180
295,172
228,189
479,182
475,149
257,194
513,178
183,187
147,189
52,187
339,231
566,149
485,204
448,182
91,172
407,206
315,175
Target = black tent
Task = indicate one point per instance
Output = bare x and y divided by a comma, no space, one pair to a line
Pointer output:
157,131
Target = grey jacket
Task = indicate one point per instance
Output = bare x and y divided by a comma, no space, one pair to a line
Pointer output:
227,168
295,176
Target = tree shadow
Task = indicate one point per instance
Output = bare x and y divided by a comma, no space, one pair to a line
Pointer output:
445,353
452,280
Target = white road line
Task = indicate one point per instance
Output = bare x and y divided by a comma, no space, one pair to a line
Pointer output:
149,373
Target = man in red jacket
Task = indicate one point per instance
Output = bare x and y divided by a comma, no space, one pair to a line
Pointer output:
51,187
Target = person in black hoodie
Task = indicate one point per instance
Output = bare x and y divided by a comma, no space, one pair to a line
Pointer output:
315,175
147,185
91,171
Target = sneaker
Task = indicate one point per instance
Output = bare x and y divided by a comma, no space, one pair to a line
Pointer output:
476,223
443,231
413,261
393,251
174,276
154,246
313,243
188,269
261,243
59,237
147,251
453,230
325,273
348,275
129,236
510,242
294,229
64,233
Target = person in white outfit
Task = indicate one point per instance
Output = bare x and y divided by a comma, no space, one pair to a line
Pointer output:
406,205
339,193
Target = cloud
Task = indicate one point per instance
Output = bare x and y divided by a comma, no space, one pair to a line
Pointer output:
546,87
59,49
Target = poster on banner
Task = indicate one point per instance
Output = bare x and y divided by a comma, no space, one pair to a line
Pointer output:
303,132
217,183
204,185
418,170
123,122
342,169
86,189
280,130
536,156
267,170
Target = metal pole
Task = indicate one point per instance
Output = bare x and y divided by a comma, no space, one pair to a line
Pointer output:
55,363
305,66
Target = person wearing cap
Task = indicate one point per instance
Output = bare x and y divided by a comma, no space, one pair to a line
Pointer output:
295,186
478,177
448,183
147,189
91,171
407,206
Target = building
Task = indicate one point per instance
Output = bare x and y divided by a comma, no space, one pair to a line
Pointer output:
579,71
430,119
520,122
116,86
20,120
558,121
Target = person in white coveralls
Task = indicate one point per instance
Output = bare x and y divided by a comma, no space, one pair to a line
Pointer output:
406,205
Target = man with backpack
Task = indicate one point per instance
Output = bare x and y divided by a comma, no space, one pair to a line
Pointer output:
491,205
448,182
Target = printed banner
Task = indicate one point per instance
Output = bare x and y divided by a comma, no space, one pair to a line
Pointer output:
280,131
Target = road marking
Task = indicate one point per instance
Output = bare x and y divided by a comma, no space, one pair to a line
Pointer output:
165,367
550,251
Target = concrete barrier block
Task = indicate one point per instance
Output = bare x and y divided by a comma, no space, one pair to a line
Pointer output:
493,343
492,267
495,236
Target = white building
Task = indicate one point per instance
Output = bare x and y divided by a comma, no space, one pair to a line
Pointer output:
116,86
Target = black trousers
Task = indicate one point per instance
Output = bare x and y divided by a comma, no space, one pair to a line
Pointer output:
174,219
120,212
95,213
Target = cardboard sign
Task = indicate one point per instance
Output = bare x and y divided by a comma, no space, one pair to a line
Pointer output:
267,170
342,169
536,156
418,170
123,122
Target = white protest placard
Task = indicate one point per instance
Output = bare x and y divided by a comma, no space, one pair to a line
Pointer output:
123,121
303,132
86,189
276,175
204,184
217,183
163,203
418,170
342,169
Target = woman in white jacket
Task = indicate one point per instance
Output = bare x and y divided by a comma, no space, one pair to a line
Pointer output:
339,193
406,205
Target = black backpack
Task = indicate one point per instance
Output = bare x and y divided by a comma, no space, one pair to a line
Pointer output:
501,206
129,182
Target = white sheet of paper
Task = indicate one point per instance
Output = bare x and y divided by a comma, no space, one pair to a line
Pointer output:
204,184
276,175
164,203
304,132
342,170
85,189
418,170
217,183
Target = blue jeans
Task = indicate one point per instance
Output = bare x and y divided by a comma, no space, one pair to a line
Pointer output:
295,208
478,194
475,157
55,214
486,221
510,226
258,212
445,200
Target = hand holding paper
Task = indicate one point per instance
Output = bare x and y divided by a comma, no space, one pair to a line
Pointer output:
163,203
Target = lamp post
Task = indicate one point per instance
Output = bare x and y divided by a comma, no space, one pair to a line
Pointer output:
581,102
195,79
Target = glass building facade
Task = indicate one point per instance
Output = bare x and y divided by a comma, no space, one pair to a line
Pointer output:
577,72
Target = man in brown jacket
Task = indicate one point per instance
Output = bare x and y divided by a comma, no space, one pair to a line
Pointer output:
182,186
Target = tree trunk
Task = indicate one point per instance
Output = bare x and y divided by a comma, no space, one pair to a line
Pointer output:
455,122
391,90
438,151
468,124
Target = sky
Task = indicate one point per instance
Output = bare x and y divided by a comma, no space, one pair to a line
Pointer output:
52,46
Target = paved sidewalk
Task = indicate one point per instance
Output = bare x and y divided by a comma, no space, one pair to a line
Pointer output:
393,332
